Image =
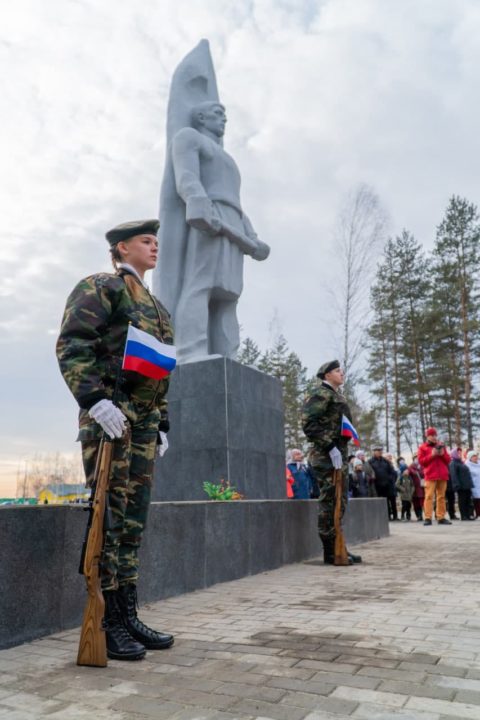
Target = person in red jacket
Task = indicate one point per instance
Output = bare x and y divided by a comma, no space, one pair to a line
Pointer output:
290,482
434,458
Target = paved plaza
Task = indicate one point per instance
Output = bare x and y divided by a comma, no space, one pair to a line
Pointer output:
397,637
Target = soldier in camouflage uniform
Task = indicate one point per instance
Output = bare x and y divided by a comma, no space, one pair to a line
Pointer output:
90,350
322,423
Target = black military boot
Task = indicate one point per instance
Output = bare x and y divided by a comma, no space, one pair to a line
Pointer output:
354,559
120,644
151,639
328,549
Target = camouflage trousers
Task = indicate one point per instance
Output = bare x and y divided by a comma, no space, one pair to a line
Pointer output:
322,469
129,491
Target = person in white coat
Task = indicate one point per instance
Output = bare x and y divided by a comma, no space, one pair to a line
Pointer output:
474,467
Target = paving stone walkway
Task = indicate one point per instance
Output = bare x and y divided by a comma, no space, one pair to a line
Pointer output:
397,637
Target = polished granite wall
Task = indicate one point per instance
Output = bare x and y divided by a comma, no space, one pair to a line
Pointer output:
187,546
226,422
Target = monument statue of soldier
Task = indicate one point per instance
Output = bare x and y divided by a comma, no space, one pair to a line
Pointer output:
204,233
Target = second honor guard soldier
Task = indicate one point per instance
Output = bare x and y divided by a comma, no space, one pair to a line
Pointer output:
322,417
90,350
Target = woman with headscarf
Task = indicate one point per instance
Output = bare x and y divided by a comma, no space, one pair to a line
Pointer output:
303,481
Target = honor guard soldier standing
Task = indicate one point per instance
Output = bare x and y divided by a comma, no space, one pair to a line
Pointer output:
90,351
322,418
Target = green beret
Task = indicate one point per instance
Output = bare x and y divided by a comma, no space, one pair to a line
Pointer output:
327,367
130,229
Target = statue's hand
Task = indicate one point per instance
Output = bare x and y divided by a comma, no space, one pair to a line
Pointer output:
262,250
200,215
212,227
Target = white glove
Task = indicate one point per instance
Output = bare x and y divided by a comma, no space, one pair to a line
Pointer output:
162,446
336,458
109,417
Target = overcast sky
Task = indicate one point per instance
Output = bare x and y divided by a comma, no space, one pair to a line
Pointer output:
320,96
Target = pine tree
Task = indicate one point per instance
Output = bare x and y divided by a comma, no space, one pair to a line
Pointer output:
458,262
399,341
394,316
413,289
379,365
444,364
249,353
280,362
385,334
365,420
285,365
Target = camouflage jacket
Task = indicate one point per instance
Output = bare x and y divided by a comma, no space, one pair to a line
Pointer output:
322,419
92,338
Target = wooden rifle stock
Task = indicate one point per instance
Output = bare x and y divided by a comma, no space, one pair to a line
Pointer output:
340,552
92,648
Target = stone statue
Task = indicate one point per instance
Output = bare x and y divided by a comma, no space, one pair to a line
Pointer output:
204,232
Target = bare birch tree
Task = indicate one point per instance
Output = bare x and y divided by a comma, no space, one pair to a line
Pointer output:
359,237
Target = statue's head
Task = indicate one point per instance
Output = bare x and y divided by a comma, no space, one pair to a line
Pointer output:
209,118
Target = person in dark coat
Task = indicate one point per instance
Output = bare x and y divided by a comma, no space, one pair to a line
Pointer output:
358,480
462,484
392,498
385,479
416,473
450,498
368,470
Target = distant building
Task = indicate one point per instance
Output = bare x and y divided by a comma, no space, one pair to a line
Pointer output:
17,501
59,493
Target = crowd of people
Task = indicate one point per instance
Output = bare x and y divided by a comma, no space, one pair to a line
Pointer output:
436,480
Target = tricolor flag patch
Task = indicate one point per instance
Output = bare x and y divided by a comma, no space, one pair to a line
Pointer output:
148,356
349,431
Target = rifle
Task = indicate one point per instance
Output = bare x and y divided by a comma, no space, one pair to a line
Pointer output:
92,648
341,556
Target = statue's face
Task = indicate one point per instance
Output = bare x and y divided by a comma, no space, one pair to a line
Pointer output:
213,119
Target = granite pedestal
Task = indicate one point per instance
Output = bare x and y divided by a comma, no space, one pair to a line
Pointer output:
226,422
